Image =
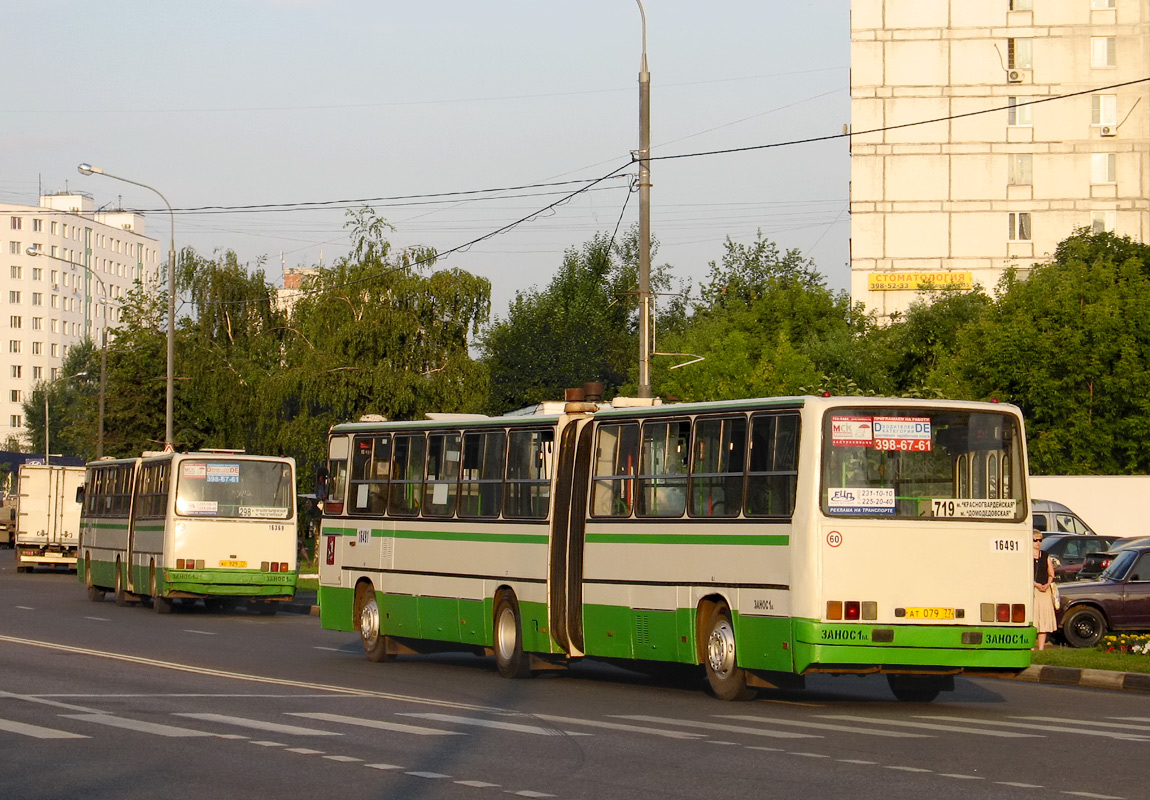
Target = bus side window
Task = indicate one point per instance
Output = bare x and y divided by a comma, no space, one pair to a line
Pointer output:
616,456
527,492
371,461
772,479
662,479
481,478
406,474
441,487
717,467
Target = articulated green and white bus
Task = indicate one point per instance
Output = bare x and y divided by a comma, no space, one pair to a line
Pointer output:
214,525
763,539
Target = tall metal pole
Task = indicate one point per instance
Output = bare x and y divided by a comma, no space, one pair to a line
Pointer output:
169,403
644,217
103,387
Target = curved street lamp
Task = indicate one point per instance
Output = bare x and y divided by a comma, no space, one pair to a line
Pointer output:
169,407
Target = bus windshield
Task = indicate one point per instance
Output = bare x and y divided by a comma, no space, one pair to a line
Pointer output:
234,488
919,462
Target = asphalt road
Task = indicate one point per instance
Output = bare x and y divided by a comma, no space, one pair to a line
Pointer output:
102,701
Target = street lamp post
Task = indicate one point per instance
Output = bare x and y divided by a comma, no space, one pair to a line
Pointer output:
644,156
34,251
169,406
47,386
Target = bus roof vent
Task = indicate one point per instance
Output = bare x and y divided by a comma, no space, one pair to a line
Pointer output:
439,415
372,418
151,453
221,451
635,402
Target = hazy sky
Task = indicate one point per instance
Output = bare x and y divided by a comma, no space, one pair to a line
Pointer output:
269,102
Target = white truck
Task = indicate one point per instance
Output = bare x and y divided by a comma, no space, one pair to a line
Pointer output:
48,502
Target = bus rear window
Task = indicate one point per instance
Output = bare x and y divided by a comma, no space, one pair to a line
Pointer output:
915,462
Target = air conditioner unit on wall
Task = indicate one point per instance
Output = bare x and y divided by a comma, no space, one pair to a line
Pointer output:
1108,130
1017,76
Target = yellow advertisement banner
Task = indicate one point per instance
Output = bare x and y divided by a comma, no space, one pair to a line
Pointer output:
903,281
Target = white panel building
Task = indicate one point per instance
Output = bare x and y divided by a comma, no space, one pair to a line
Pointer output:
86,261
958,201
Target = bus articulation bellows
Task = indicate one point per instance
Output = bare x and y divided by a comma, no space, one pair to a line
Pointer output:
762,539
179,527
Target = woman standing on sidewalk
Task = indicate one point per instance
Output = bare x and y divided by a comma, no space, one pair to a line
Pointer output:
1044,617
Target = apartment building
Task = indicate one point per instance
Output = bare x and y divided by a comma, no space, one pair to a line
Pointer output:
69,268
957,201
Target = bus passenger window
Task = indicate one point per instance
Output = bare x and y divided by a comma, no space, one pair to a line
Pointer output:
662,479
717,467
371,461
406,474
481,476
527,492
616,457
441,488
774,469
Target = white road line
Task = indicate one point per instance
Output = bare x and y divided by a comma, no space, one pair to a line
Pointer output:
343,759
619,726
1121,725
330,649
825,726
715,726
811,755
98,619
932,726
1020,785
961,777
138,725
910,769
1133,719
259,725
268,744
529,793
1092,795
305,751
36,731
491,723
25,608
432,775
1046,728
201,633
397,727
383,766
479,784
857,761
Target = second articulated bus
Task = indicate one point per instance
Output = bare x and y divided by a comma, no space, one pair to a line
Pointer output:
217,525
762,539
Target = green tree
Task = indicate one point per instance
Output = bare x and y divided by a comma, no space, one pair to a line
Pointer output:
1070,345
71,406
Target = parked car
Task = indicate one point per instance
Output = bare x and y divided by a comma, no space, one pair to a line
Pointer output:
1051,517
1094,563
1071,550
1118,601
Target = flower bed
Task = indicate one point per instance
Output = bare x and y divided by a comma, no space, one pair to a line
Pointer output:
1137,643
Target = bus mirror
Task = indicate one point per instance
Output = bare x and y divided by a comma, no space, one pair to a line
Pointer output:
80,494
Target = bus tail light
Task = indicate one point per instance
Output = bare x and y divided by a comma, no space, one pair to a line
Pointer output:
852,610
1002,612
1018,612
189,563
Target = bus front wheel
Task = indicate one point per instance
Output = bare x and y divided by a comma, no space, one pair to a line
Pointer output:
510,659
120,594
367,619
728,680
95,594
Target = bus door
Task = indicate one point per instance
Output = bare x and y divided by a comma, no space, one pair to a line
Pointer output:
565,575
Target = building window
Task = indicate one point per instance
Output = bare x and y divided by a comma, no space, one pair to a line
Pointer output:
1099,5
1102,221
37,298
14,248
14,396
37,348
38,225
1102,52
1019,53
16,322
1021,5
17,370
17,422
37,274
13,345
1102,167
56,347
15,272
55,301
13,297
1019,226
1017,114
17,223
37,373
37,323
1103,109
1021,169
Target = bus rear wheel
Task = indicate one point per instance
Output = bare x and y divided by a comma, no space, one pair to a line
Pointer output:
728,680
368,622
510,659
95,594
162,605
119,592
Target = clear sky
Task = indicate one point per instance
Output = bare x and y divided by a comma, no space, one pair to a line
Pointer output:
231,103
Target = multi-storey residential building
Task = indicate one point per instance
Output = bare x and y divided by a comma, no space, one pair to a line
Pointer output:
956,202
67,270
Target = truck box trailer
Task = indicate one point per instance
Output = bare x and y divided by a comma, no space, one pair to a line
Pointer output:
48,502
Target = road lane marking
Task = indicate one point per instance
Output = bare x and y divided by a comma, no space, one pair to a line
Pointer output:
98,619
909,769
825,726
344,759
155,728
479,784
396,727
431,775
619,726
271,727
304,751
715,726
383,766
201,633
932,726
1121,725
496,724
1020,785
961,777
1043,727
36,731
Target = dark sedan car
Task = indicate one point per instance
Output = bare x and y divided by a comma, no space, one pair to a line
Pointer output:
1094,563
1118,601
1071,550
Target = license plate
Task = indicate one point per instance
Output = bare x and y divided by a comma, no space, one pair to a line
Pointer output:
930,613
233,563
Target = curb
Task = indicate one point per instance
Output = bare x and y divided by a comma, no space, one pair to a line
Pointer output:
1087,678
